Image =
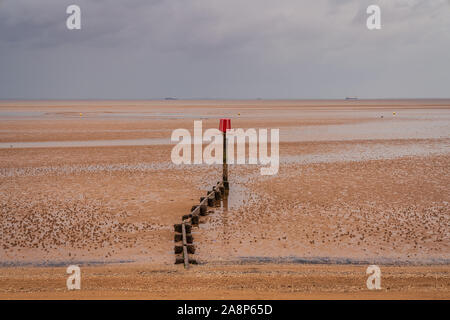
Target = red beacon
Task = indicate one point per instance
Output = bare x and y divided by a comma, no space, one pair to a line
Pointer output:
225,124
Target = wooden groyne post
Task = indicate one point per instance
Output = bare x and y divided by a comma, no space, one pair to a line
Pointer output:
183,230
185,253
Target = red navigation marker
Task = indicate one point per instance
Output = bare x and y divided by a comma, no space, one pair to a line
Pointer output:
225,124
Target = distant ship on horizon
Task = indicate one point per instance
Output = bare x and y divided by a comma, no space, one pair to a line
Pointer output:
351,98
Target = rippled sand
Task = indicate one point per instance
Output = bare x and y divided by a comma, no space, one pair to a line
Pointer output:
92,183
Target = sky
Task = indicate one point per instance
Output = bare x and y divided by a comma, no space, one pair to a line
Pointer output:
224,49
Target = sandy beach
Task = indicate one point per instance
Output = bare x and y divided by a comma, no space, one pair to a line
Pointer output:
92,183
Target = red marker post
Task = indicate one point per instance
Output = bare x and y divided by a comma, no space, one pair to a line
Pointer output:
225,124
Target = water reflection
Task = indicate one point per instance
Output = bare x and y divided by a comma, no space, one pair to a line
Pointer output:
224,218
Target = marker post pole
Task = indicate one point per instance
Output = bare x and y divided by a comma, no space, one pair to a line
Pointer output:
225,124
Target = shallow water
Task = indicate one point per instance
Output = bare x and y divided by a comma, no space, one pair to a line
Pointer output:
430,127
60,263
19,115
36,115
86,143
340,260
376,130
354,152
365,152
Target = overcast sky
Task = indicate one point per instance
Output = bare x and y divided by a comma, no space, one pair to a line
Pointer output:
147,49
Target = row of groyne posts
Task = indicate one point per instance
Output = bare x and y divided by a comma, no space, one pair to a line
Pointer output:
184,241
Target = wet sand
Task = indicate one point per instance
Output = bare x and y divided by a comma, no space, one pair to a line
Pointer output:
218,281
91,183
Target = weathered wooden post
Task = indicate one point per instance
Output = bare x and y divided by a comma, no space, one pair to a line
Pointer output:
217,194
203,209
185,251
225,124
183,234
195,220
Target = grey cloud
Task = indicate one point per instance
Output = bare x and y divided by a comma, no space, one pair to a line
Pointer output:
224,49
